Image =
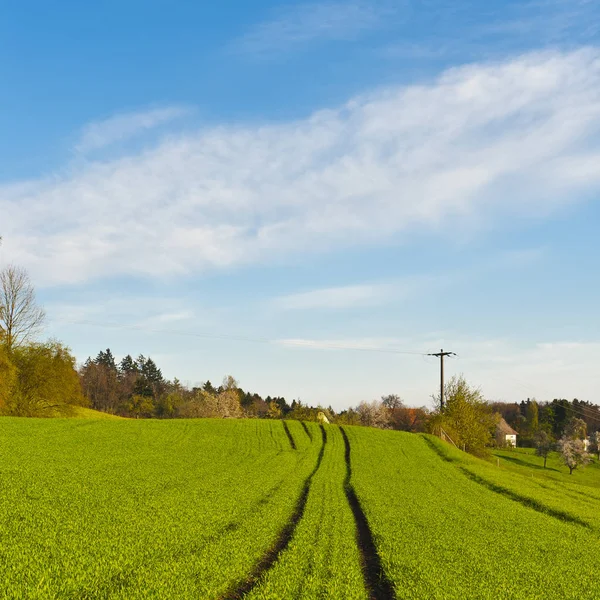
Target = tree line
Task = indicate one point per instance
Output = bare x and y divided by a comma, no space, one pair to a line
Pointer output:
43,379
530,416
571,428
137,388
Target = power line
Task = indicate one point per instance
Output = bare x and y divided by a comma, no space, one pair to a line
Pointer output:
279,342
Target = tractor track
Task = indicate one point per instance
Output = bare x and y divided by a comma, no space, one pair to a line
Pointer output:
238,591
377,583
289,434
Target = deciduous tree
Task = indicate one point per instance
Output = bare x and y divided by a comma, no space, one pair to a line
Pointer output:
544,444
8,379
374,414
20,316
575,429
594,446
466,417
573,454
47,382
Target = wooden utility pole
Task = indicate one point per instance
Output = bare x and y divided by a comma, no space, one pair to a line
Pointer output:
441,355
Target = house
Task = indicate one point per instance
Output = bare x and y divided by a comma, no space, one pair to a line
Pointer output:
505,434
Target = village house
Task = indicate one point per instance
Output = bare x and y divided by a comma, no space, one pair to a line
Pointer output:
505,434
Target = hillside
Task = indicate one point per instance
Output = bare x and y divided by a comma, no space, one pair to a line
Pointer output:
525,462
279,509
80,412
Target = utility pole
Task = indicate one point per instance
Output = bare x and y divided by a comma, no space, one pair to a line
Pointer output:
441,355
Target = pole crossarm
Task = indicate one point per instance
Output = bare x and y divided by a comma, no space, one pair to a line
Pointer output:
441,355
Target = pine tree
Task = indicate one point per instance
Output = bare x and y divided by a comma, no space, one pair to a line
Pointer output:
127,366
106,359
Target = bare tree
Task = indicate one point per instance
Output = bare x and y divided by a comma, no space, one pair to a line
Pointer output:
20,316
373,414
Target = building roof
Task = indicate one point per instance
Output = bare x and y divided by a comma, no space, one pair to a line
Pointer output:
504,428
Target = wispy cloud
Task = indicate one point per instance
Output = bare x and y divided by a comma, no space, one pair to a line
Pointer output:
492,30
111,308
358,296
480,142
119,128
370,294
337,297
304,23
386,345
547,21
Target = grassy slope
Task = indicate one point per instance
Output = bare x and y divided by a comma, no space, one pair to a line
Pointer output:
184,509
80,412
322,559
443,535
525,462
136,509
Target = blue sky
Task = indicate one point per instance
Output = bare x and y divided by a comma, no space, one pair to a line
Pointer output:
310,196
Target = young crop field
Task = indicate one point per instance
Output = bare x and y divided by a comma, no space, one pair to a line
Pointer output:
442,534
260,509
525,462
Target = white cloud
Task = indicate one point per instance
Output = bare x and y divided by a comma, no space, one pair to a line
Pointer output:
337,297
115,310
387,345
300,24
479,142
489,29
547,21
125,126
394,291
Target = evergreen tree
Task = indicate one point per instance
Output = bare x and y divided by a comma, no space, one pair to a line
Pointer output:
106,359
150,381
127,366
209,388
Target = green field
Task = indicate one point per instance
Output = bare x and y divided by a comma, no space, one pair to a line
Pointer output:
263,509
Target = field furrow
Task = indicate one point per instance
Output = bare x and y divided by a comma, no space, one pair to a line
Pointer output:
265,510
141,509
377,583
322,559
248,582
441,535
544,495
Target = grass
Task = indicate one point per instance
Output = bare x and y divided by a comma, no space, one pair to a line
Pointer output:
136,509
80,412
322,559
525,462
257,509
441,534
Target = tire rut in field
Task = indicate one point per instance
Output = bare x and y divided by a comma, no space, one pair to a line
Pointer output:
524,500
289,434
439,452
377,583
270,558
514,496
307,430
